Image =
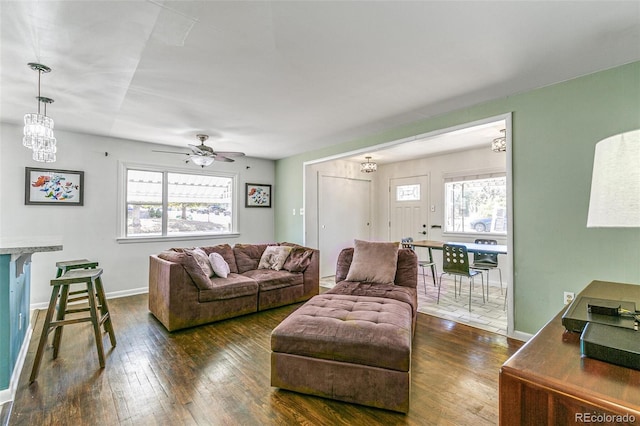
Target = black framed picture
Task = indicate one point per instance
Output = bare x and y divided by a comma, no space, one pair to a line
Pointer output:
258,195
53,187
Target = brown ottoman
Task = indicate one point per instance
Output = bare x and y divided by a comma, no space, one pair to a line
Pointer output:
350,348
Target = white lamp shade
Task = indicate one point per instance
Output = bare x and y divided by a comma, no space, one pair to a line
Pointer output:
615,184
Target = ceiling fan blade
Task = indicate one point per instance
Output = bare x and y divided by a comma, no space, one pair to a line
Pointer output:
230,153
223,158
196,149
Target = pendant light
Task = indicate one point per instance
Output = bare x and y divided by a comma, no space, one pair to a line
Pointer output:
38,128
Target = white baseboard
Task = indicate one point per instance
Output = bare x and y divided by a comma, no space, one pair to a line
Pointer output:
521,335
111,295
7,395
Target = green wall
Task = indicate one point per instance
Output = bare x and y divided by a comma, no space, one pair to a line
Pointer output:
555,130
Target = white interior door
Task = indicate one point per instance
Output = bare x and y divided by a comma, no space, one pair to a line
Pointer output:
344,207
408,208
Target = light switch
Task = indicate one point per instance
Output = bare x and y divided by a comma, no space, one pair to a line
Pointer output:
294,212
301,212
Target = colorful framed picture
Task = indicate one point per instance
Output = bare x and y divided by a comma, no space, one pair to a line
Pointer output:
258,195
53,187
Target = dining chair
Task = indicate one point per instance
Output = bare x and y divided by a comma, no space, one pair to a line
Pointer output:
406,243
486,261
455,261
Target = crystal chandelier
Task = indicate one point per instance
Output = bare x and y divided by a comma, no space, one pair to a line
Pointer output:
500,144
368,166
38,128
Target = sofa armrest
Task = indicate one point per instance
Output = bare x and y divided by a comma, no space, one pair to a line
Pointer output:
171,291
407,270
344,262
311,275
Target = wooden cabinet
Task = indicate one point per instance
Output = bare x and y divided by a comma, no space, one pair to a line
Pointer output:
548,382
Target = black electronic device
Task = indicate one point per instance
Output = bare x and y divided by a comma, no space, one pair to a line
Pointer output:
577,314
616,345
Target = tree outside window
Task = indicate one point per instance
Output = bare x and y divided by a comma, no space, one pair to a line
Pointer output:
476,204
161,203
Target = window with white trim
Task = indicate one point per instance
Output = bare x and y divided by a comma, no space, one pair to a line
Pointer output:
476,203
162,203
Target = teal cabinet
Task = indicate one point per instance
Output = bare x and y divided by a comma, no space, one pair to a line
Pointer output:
15,274
15,300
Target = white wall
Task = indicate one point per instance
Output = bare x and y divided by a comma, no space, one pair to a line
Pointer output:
90,231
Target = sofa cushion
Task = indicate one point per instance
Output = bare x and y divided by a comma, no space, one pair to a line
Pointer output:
219,265
268,279
298,260
226,252
390,291
274,257
374,262
248,256
228,288
355,329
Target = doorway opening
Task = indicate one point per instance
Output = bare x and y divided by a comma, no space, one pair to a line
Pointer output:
407,198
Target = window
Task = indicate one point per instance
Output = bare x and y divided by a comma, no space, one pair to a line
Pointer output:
166,203
408,192
476,204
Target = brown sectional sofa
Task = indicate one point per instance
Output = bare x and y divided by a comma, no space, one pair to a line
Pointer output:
352,343
181,295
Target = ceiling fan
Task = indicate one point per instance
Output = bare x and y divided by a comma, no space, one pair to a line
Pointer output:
203,155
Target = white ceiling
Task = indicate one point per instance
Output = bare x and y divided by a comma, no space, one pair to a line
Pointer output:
277,78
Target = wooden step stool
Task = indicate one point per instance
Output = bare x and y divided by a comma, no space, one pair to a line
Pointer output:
61,289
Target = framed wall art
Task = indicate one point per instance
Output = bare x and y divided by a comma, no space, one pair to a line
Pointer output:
258,195
53,187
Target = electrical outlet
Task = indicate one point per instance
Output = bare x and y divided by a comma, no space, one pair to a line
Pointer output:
568,297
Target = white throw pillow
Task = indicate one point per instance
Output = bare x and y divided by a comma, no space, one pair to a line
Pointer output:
274,257
219,265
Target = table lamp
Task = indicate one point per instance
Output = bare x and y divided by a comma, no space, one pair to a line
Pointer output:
614,202
615,184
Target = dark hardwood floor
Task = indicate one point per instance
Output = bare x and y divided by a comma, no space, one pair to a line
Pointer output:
218,374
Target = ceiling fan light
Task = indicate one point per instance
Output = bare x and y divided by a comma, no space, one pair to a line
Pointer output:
201,160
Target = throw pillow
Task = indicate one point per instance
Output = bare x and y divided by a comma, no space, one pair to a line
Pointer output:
219,265
298,260
226,252
203,260
374,262
248,256
274,257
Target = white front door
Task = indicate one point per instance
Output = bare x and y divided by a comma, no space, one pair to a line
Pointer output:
344,207
408,208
